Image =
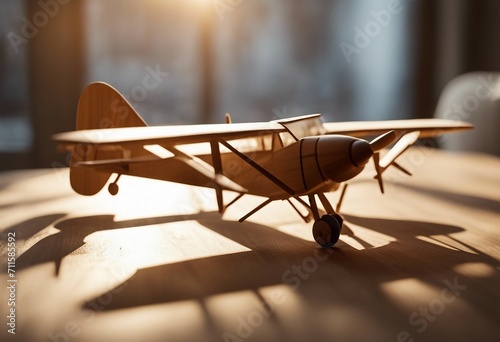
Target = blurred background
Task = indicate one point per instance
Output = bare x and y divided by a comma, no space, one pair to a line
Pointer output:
258,60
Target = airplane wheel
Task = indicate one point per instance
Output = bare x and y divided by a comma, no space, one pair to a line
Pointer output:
113,188
339,219
326,230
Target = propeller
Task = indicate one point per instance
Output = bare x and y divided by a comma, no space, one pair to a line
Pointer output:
382,141
376,161
361,151
377,144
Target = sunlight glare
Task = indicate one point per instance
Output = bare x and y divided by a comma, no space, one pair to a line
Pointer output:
475,270
160,244
409,293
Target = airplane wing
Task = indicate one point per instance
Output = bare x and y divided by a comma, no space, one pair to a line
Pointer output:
168,135
408,131
125,147
426,127
310,124
119,149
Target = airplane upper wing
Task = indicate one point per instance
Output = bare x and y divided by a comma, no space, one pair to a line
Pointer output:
426,127
168,135
305,125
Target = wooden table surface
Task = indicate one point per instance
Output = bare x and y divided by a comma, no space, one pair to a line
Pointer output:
158,263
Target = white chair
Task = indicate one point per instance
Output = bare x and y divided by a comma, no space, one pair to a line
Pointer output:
473,97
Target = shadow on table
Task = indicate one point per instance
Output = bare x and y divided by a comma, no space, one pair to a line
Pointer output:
480,203
273,253
277,258
71,235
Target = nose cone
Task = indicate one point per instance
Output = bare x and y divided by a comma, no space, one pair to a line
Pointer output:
360,152
340,157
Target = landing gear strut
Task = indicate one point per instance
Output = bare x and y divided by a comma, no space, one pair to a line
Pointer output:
326,230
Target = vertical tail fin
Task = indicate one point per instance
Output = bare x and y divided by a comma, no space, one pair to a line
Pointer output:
100,106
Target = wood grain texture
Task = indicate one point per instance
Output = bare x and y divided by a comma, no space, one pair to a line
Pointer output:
158,263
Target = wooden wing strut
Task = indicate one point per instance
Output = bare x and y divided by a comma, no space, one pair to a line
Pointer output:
260,206
259,168
208,171
217,164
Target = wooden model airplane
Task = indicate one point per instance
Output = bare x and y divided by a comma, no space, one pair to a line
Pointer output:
280,160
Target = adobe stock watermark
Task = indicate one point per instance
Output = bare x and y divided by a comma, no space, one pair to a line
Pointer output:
294,277
421,318
152,79
11,281
223,7
73,328
487,88
280,114
30,27
364,35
